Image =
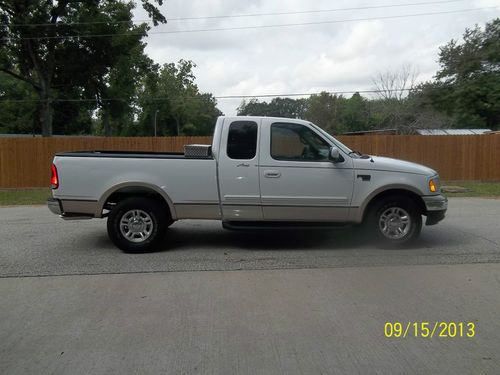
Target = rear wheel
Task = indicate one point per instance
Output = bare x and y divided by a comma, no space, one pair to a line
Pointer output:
137,224
395,220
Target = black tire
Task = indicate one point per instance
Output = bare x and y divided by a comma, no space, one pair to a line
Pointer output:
150,225
394,207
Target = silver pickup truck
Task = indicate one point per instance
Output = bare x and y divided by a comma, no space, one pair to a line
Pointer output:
258,172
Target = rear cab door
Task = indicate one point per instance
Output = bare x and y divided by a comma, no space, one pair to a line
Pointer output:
239,170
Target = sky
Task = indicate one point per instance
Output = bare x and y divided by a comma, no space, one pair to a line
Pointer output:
337,55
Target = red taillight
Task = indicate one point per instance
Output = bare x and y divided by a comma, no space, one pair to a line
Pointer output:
54,179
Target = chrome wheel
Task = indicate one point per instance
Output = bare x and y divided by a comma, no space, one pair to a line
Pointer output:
394,223
136,226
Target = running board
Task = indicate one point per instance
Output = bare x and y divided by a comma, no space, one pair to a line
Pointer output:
70,217
280,225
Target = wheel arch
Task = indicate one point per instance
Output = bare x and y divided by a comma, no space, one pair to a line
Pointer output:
127,189
400,190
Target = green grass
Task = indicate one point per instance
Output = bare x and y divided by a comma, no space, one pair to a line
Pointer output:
11,197
477,189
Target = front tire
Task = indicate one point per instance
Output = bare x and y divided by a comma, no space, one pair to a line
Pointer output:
395,221
137,224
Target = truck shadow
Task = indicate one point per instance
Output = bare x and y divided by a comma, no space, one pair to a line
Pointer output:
212,237
340,238
279,239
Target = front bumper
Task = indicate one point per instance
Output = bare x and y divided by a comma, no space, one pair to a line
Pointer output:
436,206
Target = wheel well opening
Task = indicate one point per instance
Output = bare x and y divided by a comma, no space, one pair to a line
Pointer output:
129,192
399,192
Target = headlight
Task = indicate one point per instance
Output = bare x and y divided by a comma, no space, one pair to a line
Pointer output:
434,185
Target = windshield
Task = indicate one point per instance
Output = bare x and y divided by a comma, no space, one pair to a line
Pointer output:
334,140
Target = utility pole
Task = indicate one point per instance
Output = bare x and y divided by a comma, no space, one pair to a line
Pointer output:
156,113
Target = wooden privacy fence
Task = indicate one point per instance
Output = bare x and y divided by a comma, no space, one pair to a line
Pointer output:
25,162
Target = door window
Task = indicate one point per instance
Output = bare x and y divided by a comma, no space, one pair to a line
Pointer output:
242,140
294,142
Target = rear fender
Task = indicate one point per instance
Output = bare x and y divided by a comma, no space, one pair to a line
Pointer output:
132,184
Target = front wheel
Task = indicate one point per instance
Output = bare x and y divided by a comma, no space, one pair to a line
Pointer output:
137,224
395,220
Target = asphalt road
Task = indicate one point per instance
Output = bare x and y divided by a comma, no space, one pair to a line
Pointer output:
35,242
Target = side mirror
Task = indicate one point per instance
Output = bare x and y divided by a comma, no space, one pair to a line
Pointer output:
335,154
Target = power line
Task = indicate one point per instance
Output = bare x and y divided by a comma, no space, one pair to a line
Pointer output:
307,94
249,14
252,27
286,95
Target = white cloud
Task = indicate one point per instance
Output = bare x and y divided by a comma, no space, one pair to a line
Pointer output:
336,56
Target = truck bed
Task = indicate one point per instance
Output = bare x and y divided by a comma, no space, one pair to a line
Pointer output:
130,154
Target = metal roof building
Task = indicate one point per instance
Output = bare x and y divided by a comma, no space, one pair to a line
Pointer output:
451,131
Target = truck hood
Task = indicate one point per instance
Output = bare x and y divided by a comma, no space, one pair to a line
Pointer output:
392,165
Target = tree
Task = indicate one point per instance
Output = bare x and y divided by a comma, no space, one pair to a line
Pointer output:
49,45
331,112
324,110
395,84
16,115
182,108
403,105
123,83
278,107
355,114
468,81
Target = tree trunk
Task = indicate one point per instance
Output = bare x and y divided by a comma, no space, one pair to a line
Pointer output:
105,120
177,122
46,116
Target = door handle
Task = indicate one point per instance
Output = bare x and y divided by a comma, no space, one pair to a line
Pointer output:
243,165
272,174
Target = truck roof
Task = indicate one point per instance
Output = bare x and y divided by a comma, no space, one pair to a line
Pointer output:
277,119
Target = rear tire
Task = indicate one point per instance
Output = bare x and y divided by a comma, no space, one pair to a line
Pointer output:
138,224
395,221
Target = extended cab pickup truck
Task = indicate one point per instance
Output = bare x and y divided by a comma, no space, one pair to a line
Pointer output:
259,172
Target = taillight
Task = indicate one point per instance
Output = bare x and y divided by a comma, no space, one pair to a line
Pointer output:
54,179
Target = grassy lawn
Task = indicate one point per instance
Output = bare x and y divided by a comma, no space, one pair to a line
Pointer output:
476,189
9,197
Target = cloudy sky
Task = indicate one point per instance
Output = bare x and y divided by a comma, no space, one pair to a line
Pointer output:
331,56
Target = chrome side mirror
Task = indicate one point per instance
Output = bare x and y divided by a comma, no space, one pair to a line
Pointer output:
335,154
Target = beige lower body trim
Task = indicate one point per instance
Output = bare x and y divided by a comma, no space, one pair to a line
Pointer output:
356,215
79,207
263,213
234,212
302,213
198,211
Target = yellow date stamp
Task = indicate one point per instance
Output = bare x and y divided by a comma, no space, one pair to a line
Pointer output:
429,329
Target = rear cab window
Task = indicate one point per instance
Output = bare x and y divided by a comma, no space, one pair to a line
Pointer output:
242,140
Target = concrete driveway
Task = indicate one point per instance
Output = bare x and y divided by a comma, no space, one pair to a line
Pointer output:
312,302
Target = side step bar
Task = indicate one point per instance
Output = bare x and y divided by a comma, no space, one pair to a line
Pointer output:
280,225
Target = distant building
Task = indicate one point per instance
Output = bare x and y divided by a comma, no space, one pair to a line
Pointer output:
373,132
451,131
424,132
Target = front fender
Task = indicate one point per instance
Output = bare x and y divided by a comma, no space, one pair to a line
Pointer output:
382,181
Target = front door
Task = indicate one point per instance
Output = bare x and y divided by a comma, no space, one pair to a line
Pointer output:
239,171
298,181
